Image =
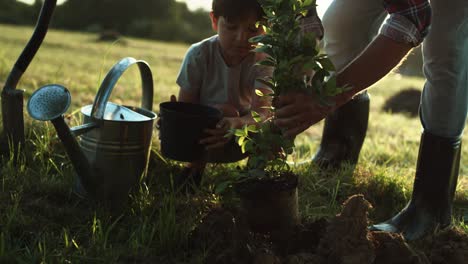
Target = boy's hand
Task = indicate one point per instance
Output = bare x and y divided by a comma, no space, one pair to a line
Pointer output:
216,137
227,110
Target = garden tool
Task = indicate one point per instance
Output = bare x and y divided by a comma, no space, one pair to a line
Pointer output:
343,133
12,98
434,187
113,151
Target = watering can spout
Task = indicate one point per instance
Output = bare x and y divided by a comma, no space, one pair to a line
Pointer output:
49,103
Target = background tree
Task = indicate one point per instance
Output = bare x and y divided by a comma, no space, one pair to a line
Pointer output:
157,19
14,12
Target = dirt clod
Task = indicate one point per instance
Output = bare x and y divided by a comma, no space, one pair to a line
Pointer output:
392,249
346,239
449,246
266,258
304,258
343,239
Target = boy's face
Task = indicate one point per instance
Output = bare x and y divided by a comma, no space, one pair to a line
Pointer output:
234,36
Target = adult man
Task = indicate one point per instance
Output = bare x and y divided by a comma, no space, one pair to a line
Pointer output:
349,26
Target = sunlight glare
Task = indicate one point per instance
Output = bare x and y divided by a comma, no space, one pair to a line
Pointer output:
206,5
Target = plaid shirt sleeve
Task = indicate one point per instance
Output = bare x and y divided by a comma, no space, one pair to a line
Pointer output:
312,23
409,20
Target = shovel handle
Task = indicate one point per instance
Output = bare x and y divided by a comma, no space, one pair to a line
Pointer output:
33,45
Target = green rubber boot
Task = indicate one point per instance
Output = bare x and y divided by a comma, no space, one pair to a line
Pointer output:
343,133
434,186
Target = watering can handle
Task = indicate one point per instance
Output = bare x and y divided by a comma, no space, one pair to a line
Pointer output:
105,90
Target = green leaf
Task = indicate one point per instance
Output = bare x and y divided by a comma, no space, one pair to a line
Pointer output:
243,147
330,86
264,49
310,65
296,59
240,141
245,130
267,63
247,146
307,3
267,83
240,133
220,188
256,39
259,93
327,64
268,107
264,39
252,128
256,117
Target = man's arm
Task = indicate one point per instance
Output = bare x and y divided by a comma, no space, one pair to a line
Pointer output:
297,112
407,26
377,60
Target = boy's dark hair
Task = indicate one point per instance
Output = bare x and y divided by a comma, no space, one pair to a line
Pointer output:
236,9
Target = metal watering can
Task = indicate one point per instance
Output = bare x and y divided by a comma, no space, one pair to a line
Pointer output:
113,150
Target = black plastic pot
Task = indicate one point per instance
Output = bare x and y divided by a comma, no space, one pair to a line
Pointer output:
270,204
182,126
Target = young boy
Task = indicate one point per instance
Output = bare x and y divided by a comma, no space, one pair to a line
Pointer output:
220,71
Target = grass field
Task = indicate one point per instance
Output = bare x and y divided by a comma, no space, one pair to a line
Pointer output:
41,221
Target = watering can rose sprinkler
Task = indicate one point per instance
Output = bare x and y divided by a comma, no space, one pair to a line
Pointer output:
12,98
115,140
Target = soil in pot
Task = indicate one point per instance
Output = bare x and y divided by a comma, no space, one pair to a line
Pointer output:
270,204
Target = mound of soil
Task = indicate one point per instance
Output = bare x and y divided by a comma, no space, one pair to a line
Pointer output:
405,102
225,237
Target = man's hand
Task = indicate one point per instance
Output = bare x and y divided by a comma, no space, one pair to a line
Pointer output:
296,112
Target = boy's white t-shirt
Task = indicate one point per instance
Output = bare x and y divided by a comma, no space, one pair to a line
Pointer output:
205,72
